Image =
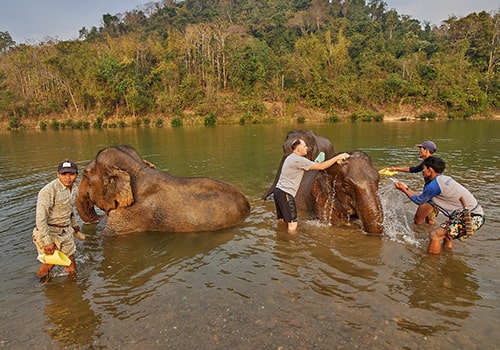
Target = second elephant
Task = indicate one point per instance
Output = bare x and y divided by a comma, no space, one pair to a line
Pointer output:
340,193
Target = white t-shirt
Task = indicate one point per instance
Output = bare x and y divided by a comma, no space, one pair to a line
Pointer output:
445,193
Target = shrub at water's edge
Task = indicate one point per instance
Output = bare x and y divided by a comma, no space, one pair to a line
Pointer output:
304,117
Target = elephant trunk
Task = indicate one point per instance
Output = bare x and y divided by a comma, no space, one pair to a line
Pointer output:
369,212
84,205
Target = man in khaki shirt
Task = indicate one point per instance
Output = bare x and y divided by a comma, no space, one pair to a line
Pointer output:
56,223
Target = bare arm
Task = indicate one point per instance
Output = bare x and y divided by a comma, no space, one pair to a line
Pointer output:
328,163
405,169
403,188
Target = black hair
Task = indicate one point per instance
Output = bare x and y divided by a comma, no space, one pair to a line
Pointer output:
295,144
435,163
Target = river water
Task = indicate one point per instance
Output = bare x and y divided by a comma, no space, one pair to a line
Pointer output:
253,286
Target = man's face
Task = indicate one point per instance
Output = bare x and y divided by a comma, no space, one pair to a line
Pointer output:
302,148
424,153
427,172
68,179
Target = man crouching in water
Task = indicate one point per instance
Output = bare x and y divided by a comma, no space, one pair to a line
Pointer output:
465,215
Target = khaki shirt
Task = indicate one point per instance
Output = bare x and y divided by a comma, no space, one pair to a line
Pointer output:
55,209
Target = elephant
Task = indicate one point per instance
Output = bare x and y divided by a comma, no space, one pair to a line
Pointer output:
136,197
340,193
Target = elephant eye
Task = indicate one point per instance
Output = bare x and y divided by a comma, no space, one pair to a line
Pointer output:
348,181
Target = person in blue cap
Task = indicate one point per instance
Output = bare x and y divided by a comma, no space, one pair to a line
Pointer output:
426,212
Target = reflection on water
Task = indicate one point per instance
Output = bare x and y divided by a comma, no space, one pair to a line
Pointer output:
69,317
133,268
254,286
445,287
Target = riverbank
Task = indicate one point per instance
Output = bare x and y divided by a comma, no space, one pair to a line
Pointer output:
275,113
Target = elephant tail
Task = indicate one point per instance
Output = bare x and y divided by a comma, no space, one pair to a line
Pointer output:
268,192
276,178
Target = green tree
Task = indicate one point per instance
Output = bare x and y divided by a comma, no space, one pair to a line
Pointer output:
252,67
6,41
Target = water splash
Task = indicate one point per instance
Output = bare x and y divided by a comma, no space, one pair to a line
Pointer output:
397,226
325,213
331,188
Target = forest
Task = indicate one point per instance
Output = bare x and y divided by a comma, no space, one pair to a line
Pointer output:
253,61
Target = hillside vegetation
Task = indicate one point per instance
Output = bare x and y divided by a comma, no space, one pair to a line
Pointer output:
222,61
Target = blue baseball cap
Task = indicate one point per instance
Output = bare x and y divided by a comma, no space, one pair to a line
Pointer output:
428,145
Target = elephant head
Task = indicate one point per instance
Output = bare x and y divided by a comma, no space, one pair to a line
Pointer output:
107,186
346,191
137,197
315,145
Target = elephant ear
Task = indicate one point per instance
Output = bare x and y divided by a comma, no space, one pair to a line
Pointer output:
117,187
320,189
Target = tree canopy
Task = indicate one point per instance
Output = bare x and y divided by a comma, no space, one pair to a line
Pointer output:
235,57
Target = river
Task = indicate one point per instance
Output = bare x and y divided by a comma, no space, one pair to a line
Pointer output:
254,286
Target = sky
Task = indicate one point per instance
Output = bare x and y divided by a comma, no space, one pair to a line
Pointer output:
32,21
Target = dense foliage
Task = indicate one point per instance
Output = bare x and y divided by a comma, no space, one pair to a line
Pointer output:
255,60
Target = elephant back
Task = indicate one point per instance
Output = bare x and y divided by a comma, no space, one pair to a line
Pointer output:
315,144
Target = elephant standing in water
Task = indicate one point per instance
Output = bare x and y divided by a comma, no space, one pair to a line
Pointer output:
340,193
136,197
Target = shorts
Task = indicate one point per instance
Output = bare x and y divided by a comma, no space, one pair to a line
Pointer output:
285,205
455,225
434,213
63,238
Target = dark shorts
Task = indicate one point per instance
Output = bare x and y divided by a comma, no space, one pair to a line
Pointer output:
285,205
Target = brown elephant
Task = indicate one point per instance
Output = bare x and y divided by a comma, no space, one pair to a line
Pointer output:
340,193
136,197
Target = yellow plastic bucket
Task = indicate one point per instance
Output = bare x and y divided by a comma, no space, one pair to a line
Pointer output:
387,172
58,258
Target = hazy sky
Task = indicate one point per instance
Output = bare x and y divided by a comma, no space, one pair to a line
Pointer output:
435,11
36,20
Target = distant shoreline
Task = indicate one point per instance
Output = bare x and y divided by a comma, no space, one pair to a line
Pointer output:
189,119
